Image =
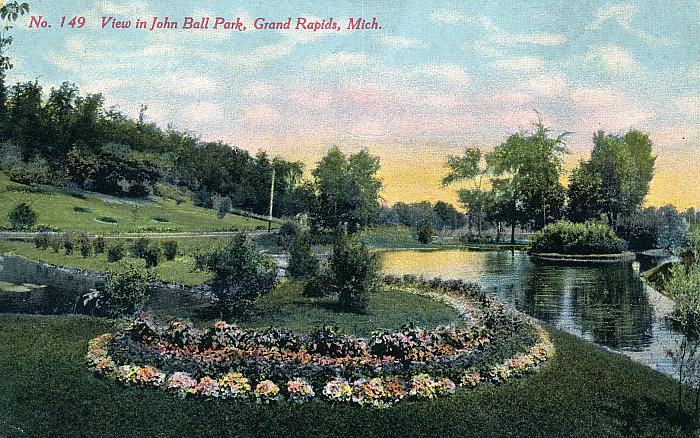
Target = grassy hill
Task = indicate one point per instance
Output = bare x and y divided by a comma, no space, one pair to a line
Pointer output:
103,214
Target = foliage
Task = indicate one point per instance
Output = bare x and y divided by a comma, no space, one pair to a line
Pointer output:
139,246
424,232
441,215
169,249
152,254
240,275
618,175
290,229
68,243
651,227
347,190
41,240
565,237
302,261
84,244
125,290
527,169
116,251
584,193
98,244
353,272
22,217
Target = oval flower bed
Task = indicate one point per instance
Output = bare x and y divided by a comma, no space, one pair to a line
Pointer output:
488,344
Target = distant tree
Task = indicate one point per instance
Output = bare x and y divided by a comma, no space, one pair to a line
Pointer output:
469,167
347,190
673,233
22,216
224,208
353,273
424,232
448,216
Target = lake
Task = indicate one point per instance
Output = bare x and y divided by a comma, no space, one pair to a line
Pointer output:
607,304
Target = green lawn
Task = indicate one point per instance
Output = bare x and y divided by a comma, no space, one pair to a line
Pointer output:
56,208
181,270
47,390
387,309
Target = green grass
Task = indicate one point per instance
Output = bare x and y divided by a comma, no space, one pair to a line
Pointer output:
57,209
387,309
47,390
11,287
181,270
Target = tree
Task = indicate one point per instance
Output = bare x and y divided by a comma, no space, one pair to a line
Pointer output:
625,166
469,168
240,275
528,167
347,190
9,12
424,232
22,216
302,261
353,272
584,194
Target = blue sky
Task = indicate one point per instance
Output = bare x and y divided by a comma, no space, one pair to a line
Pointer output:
437,77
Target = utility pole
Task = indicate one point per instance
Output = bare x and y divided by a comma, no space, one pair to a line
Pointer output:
272,196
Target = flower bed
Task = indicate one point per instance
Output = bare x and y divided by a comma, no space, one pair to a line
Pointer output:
488,344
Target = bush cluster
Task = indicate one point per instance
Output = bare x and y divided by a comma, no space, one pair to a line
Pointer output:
125,290
565,237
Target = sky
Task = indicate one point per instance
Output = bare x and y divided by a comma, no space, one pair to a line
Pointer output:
436,78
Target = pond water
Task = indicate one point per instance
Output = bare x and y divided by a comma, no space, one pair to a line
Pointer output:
607,304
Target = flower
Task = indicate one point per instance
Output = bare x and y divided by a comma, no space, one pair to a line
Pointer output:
149,376
338,390
182,383
471,378
267,391
207,386
393,389
299,390
235,385
445,386
422,386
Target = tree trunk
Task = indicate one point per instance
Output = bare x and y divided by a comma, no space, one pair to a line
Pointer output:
512,233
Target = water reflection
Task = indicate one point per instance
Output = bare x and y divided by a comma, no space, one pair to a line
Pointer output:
607,304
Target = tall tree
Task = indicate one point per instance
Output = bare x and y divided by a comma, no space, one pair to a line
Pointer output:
9,12
528,167
625,166
347,190
584,194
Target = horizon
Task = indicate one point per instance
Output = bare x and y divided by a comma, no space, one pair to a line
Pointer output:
428,84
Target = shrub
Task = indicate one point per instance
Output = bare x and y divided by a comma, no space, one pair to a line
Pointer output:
41,241
223,208
84,245
241,274
139,246
116,252
152,255
98,245
125,290
640,230
22,217
290,229
317,286
107,219
56,243
354,272
424,232
81,209
161,218
565,237
68,243
169,249
302,261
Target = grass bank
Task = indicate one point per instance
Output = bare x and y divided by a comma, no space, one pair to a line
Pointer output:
103,214
48,390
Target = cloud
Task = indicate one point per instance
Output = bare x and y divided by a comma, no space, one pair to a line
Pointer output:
606,108
547,85
260,115
401,42
342,60
185,83
448,72
522,63
613,58
622,14
202,112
